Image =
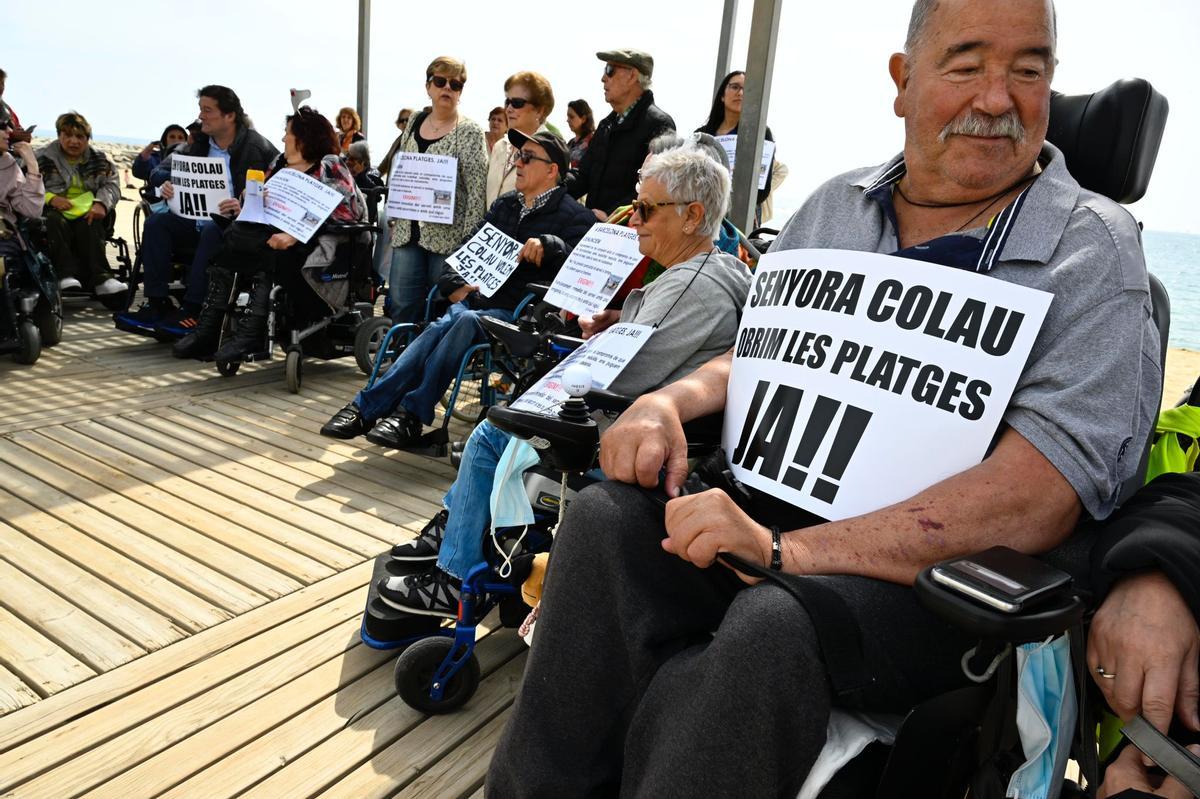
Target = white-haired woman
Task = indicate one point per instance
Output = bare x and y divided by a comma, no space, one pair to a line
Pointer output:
694,304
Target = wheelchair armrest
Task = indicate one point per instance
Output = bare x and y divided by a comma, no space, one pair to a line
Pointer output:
1053,616
600,399
521,343
346,228
562,444
566,343
538,290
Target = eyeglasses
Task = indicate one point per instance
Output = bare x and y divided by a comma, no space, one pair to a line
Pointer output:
524,157
440,82
736,88
402,121
645,209
516,102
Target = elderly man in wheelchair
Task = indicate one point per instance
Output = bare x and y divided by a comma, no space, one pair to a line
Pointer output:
658,671
541,216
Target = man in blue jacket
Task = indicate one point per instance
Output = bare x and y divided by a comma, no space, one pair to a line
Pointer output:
224,133
539,213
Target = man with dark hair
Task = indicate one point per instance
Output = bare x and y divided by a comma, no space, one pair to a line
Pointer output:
224,133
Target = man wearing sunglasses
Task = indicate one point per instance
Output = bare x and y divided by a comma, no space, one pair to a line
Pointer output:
607,175
539,213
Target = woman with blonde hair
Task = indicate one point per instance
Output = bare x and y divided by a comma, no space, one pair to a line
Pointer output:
528,101
349,126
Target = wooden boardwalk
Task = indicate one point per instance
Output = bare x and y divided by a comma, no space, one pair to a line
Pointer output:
183,563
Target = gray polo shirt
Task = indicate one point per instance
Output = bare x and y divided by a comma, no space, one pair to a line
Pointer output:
1090,391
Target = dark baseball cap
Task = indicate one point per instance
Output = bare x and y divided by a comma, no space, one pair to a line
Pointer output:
641,61
555,147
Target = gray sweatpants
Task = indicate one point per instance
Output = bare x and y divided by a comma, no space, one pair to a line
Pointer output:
650,677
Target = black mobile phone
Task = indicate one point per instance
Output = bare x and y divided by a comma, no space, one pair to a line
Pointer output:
1001,578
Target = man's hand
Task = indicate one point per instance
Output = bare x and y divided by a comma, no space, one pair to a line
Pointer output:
532,252
281,241
1144,633
597,322
646,437
601,215
703,525
166,190
97,211
59,203
231,207
1128,772
461,293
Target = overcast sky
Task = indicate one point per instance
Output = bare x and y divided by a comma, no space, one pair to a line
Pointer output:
132,66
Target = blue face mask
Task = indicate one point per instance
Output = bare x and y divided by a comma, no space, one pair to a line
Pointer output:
509,502
1046,712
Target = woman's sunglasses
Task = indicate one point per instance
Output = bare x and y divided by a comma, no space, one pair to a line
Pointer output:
645,209
516,102
440,82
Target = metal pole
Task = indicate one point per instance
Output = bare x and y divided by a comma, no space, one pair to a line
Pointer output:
725,46
760,64
364,56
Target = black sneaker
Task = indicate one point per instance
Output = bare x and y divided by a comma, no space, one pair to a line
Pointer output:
401,430
427,544
151,312
178,323
432,593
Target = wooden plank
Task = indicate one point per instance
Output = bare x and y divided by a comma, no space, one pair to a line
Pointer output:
75,704
39,662
461,772
75,506
322,744
103,551
147,485
73,630
14,694
120,735
227,736
383,770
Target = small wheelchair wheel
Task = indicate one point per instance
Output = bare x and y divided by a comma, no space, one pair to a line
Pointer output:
293,370
115,302
29,343
228,368
48,316
416,667
367,339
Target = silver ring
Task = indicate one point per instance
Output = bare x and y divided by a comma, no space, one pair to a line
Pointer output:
1108,675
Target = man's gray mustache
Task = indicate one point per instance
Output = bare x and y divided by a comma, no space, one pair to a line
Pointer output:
1007,125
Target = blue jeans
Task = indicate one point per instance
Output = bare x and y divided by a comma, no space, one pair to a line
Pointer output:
163,234
468,501
415,270
418,378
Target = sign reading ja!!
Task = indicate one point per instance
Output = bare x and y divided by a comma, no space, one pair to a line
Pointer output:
861,379
200,185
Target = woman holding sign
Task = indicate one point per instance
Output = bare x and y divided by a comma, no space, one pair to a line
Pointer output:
267,254
436,189
726,113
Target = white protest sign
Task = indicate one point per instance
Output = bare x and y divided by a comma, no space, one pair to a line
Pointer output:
487,259
861,379
422,187
605,354
768,153
297,203
595,269
200,185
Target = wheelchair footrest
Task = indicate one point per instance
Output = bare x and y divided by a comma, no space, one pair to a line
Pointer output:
383,626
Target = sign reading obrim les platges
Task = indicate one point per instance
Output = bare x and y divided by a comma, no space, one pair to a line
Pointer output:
595,269
605,354
200,184
422,187
860,379
487,259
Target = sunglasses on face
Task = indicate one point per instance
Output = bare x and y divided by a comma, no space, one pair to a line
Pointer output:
516,102
440,82
645,209
524,157
610,70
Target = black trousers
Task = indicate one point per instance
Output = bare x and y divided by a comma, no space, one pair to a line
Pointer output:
77,248
651,677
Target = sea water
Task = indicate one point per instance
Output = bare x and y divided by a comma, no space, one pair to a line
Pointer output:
1174,258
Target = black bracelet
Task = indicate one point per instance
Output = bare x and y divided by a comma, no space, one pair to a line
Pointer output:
776,550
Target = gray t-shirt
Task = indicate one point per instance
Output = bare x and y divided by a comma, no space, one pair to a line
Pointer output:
1091,387
696,306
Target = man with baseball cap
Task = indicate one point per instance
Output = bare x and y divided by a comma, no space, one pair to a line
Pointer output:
607,174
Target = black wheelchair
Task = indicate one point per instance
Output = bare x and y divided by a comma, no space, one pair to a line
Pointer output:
30,303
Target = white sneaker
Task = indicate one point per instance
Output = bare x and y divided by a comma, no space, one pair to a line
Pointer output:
69,283
110,286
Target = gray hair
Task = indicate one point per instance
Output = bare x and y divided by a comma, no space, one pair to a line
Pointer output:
691,175
923,9
643,80
700,141
359,152
666,141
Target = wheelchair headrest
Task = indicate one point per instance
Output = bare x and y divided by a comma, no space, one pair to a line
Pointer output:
1110,138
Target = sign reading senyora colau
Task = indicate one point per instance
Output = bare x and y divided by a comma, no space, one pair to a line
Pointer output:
487,259
861,379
